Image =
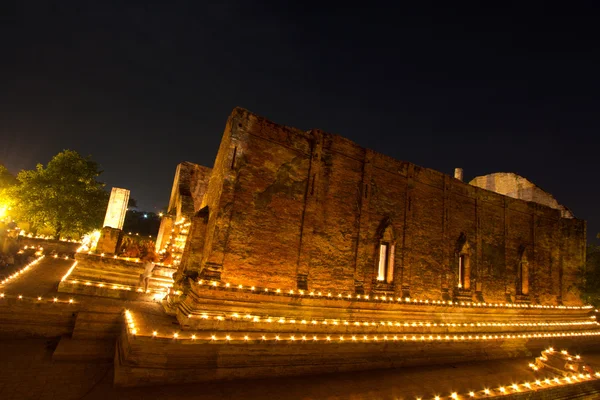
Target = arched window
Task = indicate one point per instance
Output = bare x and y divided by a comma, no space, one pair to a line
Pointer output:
523,275
463,273
385,255
461,270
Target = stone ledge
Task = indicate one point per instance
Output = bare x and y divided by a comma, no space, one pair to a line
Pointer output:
204,298
146,361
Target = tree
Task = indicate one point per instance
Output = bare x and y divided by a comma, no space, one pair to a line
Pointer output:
6,178
65,196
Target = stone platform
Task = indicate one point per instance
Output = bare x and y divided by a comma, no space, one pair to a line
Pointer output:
231,332
113,277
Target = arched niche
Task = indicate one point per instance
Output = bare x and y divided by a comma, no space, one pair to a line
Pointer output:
463,263
384,271
523,273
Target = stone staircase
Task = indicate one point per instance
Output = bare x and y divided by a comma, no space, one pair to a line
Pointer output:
94,337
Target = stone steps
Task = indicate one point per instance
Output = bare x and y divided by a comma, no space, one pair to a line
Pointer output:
94,337
97,325
29,317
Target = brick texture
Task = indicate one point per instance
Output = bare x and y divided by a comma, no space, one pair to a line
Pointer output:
286,208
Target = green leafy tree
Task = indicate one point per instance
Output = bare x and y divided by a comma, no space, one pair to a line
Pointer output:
589,277
64,196
6,178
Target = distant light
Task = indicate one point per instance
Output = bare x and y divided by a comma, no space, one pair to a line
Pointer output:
145,215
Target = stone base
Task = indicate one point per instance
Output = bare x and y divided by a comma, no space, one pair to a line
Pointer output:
522,299
379,288
109,241
463,295
479,297
144,360
230,332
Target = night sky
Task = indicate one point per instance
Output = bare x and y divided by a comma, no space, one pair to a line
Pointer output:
142,87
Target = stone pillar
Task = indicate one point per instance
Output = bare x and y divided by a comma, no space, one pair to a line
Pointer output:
363,267
458,174
194,246
109,241
311,209
117,207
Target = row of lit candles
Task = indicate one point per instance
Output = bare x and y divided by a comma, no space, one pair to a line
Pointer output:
523,387
34,299
486,392
120,287
21,271
31,236
354,338
328,338
160,293
406,300
132,259
282,320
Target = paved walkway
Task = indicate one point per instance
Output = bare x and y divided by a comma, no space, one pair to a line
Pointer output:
28,372
41,279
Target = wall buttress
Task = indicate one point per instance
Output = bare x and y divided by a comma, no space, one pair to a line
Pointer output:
363,243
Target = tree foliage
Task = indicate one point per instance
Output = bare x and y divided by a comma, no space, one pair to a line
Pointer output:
589,277
65,195
6,178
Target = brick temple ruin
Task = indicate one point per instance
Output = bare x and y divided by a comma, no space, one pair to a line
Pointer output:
304,253
314,211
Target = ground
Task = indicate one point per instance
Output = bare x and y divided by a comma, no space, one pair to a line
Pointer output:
29,372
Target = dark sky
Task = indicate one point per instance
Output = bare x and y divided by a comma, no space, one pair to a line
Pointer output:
142,86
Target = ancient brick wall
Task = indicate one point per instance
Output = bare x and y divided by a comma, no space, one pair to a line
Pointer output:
187,194
294,209
199,178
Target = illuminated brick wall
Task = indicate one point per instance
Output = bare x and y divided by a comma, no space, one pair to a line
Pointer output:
295,208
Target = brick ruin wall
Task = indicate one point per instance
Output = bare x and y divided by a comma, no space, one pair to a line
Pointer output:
189,185
286,208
